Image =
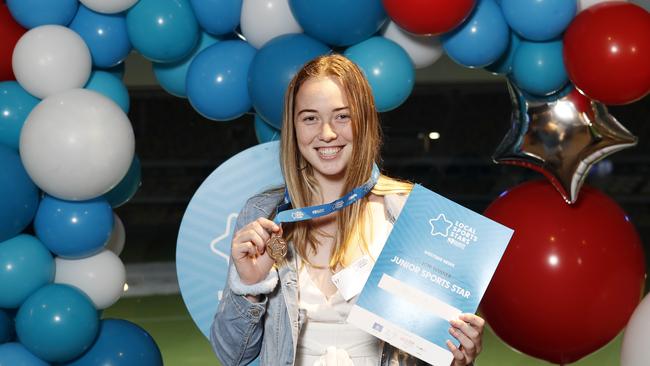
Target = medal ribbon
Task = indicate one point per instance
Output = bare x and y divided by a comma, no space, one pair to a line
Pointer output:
284,214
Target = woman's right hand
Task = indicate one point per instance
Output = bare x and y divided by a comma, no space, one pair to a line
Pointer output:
251,259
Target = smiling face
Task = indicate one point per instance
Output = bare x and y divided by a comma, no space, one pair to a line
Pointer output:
324,127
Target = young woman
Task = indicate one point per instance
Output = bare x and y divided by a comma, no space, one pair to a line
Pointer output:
288,310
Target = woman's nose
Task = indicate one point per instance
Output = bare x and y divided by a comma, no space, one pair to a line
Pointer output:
327,132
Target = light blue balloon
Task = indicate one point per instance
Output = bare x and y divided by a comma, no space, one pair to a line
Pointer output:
218,17
57,323
162,30
264,131
6,328
15,354
32,13
25,266
217,80
110,86
73,229
104,34
117,71
121,343
272,69
172,76
387,67
127,187
18,195
538,67
339,22
481,39
539,20
503,65
15,105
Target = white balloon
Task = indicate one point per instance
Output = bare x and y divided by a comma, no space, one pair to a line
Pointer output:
263,20
423,50
584,4
635,350
116,241
50,59
108,6
101,276
77,145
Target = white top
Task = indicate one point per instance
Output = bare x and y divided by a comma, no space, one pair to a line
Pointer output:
326,339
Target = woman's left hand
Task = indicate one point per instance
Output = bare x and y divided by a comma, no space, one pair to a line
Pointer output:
468,329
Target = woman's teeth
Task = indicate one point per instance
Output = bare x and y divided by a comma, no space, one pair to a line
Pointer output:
328,151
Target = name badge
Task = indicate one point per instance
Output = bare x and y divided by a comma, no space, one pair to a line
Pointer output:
350,280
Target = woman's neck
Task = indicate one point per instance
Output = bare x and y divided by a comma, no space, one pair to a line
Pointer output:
331,187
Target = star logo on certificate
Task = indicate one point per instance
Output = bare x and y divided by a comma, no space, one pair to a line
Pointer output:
440,226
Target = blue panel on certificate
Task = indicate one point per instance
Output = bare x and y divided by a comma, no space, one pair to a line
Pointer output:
435,265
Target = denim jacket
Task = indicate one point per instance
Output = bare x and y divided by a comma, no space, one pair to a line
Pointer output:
242,330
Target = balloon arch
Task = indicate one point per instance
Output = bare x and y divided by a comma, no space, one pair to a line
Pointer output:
64,132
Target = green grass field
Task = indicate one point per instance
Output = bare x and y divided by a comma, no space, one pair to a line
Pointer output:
182,344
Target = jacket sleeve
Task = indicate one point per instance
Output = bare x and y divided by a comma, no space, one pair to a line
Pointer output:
237,329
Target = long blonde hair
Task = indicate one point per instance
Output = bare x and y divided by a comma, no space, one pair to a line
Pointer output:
298,173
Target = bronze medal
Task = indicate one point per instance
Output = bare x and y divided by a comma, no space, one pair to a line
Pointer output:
277,247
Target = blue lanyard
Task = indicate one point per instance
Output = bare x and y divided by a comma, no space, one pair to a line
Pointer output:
284,214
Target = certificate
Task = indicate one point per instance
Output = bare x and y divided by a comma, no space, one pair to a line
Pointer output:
435,265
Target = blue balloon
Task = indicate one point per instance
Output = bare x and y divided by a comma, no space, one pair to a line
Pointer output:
73,229
15,354
32,13
217,16
538,67
264,131
162,30
6,328
339,22
481,39
172,76
110,86
57,323
117,71
15,105
18,194
104,34
272,69
125,190
387,67
217,80
25,266
121,343
503,65
539,20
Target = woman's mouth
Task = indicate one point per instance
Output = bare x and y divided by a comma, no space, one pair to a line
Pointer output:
329,152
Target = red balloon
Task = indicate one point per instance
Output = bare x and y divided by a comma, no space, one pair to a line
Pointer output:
10,33
571,276
429,17
607,52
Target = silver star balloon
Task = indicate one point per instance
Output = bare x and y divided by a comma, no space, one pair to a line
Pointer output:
562,138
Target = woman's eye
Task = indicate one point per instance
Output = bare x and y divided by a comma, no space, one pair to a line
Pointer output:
309,119
343,116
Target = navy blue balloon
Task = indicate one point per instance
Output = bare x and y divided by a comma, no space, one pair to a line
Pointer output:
162,30
503,65
6,327
339,22
264,131
128,186
217,80
387,67
110,86
15,105
73,229
172,76
18,194
15,354
104,34
217,17
120,343
538,67
57,323
539,20
481,39
32,13
272,69
25,266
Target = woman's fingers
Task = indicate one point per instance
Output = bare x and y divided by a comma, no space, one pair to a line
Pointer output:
459,356
467,344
